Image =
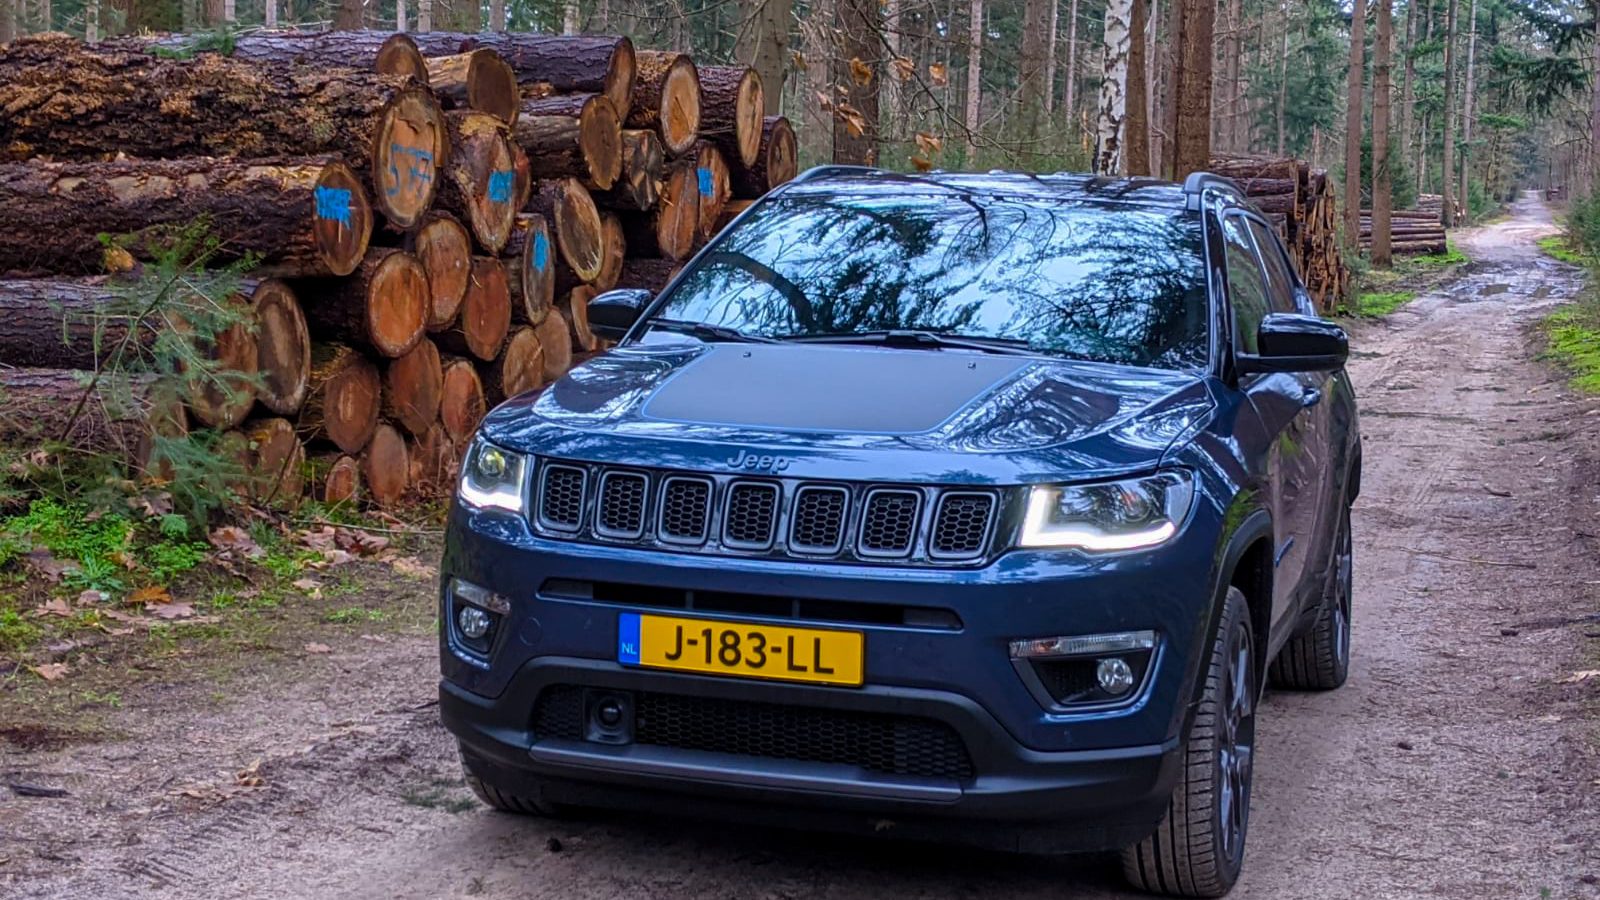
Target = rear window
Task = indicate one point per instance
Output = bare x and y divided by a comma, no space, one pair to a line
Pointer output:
1096,281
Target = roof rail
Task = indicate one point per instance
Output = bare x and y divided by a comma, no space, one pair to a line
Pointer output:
816,172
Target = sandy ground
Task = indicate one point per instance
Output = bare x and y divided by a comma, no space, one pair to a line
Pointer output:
1454,764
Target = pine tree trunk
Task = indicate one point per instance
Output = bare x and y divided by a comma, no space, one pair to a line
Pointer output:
576,135
478,80
1136,124
819,53
975,74
1231,52
462,404
520,368
1447,212
1050,61
671,229
1466,109
1070,106
62,405
444,248
776,161
666,98
485,318
1382,188
532,269
575,222
347,17
1192,130
52,323
369,50
1030,76
1408,97
588,64
386,466
732,104
1353,123
297,216
1172,63
1113,90
283,347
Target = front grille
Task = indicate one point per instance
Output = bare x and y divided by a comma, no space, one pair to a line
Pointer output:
751,516
961,525
889,523
877,742
685,509
819,514
561,498
621,512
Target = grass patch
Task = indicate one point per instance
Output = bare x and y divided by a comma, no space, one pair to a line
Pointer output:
1559,247
350,615
437,796
1574,342
1452,256
1379,303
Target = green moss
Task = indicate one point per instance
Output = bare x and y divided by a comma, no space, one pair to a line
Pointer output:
1574,341
15,631
1558,247
1452,256
1380,303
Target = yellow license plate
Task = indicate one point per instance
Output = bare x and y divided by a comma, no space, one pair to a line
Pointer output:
743,649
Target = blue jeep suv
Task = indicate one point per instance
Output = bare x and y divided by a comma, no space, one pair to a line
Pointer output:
952,506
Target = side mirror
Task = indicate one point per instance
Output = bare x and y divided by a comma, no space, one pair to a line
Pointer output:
1291,342
611,314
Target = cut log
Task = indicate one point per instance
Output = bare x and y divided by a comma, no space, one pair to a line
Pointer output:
385,466
432,456
477,80
520,368
639,186
383,305
283,347
375,50
383,125
591,64
532,270
485,318
666,98
711,181
671,230
480,179
576,311
411,388
342,482
614,246
296,216
444,248
343,401
576,135
166,425
731,211
275,464
567,204
462,404
649,274
732,104
49,406
52,323
222,393
776,162
555,339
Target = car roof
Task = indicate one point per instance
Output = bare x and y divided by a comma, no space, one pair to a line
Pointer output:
1139,191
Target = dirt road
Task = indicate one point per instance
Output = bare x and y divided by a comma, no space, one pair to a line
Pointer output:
1454,764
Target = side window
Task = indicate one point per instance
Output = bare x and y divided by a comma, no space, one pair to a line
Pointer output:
1280,278
1247,288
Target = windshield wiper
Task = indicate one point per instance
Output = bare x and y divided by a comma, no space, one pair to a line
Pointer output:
707,331
930,340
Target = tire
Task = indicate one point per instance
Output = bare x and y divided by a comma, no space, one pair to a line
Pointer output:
503,800
1198,849
1319,659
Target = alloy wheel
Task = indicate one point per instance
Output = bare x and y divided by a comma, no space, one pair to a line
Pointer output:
1236,743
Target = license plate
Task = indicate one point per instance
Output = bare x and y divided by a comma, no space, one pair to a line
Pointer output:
742,649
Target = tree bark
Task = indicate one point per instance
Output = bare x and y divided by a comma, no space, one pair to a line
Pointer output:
1136,121
1070,105
1353,121
1113,90
1448,173
215,106
384,304
444,248
479,183
666,98
1231,51
1466,110
776,161
764,46
576,135
1031,84
817,102
1050,61
485,313
477,79
52,324
371,50
855,138
58,405
532,274
639,183
1382,188
1192,82
732,103
297,216
411,387
1408,97
342,403
347,16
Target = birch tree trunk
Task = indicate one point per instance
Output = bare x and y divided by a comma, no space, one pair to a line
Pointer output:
1466,108
91,21
569,17
1136,127
1382,189
975,72
1050,61
270,17
1352,125
764,46
891,81
1447,213
230,11
399,15
1113,90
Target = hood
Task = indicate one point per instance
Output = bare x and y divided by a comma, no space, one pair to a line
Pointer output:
856,412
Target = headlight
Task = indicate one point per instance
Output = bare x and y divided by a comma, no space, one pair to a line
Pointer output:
493,478
1106,517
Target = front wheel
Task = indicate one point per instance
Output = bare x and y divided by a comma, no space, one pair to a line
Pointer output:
520,801
1198,849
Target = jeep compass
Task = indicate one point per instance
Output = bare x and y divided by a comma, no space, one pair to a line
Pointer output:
972,507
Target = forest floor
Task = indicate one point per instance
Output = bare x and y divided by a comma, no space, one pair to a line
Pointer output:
1459,762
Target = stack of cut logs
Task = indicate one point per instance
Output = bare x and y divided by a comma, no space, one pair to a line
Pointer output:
428,216
1412,232
1301,205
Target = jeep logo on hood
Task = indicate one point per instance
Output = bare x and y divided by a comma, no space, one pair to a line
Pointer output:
758,463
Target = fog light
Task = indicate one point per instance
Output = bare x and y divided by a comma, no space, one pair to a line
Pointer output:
473,622
1114,675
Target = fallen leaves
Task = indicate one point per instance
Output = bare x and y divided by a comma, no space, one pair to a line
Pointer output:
43,564
1579,676
411,567
250,776
233,542
171,611
55,606
150,595
308,586
50,671
315,647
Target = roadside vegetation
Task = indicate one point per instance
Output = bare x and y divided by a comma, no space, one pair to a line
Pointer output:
1573,332
1380,292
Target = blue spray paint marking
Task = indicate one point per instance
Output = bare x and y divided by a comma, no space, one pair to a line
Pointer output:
628,638
705,181
541,251
419,170
333,204
500,186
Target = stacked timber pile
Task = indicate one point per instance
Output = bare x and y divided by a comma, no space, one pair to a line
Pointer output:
426,220
1412,232
1300,203
1434,203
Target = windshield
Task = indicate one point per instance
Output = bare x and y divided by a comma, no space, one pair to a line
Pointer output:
1084,280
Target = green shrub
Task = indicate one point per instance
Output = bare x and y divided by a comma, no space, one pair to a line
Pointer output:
1583,225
